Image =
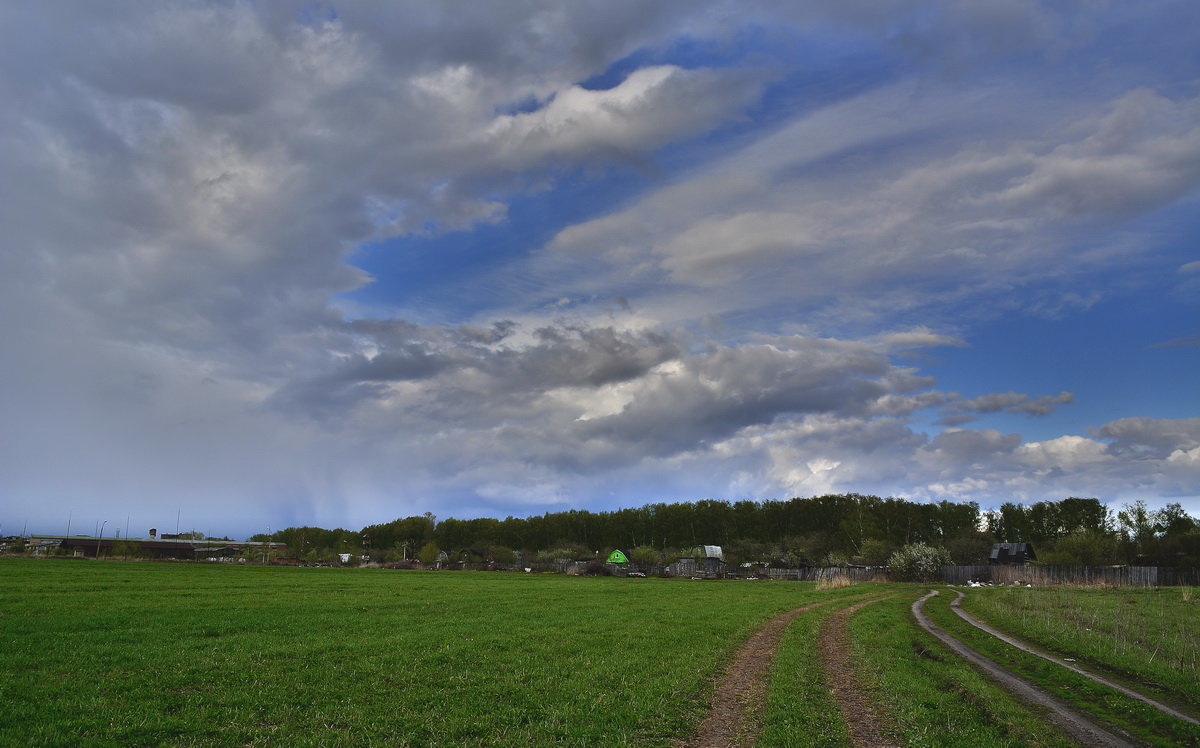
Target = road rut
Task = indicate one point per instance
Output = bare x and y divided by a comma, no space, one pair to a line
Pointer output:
1081,728
731,720
1024,647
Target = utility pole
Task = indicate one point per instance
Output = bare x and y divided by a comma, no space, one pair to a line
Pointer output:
68,524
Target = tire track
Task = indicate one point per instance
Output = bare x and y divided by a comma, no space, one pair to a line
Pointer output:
1024,647
868,727
730,721
1075,724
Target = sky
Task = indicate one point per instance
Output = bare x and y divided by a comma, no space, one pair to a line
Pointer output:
269,264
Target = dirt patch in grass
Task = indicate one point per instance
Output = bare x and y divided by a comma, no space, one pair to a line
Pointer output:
732,718
867,726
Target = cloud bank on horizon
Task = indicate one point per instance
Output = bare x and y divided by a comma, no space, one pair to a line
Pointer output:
269,264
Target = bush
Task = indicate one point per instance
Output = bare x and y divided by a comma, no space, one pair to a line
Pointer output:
597,569
917,563
429,553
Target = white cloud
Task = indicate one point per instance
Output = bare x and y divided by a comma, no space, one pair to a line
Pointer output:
849,210
651,107
185,183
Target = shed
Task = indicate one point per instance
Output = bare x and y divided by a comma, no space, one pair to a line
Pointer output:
705,560
1012,553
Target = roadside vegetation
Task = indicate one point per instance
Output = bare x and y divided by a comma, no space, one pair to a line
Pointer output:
934,697
1141,721
1150,636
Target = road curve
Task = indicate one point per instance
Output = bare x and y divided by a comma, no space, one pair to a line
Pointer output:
1075,724
1024,647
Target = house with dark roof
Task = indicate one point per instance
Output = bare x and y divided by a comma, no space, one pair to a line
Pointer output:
1012,554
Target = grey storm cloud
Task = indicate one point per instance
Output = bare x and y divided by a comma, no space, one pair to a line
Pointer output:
186,185
1155,436
963,411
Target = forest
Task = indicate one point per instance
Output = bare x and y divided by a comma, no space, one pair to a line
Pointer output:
835,529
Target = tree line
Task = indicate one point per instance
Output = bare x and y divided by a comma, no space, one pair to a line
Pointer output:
834,529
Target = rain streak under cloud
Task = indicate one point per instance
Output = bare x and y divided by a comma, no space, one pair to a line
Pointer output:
337,263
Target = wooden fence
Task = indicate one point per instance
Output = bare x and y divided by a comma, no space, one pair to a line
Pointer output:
1116,576
826,574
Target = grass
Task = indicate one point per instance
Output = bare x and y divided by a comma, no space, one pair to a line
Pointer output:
1148,636
1144,723
147,653
935,698
800,711
109,653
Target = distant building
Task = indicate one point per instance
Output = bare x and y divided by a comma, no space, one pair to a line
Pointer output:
1010,554
705,560
193,550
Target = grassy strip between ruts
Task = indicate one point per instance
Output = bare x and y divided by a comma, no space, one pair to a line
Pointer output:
1141,721
1149,637
936,698
109,653
800,711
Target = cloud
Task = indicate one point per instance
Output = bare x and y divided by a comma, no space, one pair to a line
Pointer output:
1143,152
188,185
651,107
962,411
1151,436
848,211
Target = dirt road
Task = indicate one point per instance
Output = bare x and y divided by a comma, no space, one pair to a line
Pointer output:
867,725
1075,724
731,720
1024,647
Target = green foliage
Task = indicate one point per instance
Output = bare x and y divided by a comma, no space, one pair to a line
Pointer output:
795,532
643,556
917,562
1047,520
126,549
429,553
1084,548
875,552
970,548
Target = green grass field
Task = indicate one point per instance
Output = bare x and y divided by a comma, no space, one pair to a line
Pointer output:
146,653
111,653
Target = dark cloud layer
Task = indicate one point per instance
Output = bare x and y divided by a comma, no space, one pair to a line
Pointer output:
186,185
